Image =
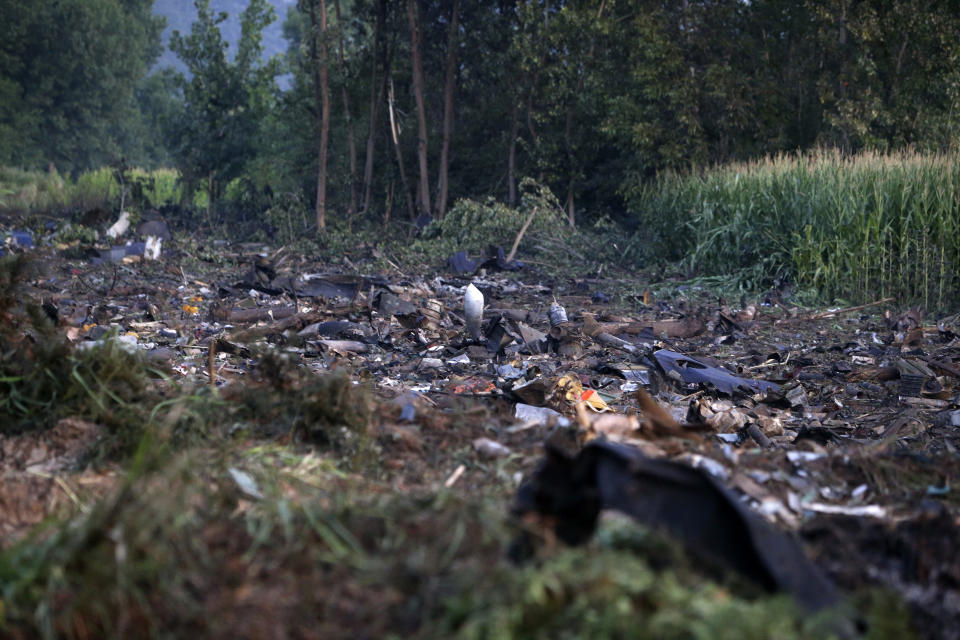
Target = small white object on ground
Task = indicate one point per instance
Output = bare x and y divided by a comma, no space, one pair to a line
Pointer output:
119,227
152,249
473,310
490,448
246,483
455,476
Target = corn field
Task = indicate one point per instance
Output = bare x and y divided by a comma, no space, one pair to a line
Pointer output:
852,228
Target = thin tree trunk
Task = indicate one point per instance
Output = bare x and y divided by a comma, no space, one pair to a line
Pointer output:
376,95
534,141
448,88
394,134
210,199
512,155
351,139
423,186
388,206
568,129
568,139
322,97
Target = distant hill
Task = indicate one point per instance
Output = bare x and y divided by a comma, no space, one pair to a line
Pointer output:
181,14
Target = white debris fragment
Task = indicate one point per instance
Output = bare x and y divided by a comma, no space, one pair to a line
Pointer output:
490,448
473,310
867,510
452,480
430,363
804,456
246,483
119,227
152,249
126,342
540,415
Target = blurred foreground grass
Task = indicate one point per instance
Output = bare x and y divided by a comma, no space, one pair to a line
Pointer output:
268,542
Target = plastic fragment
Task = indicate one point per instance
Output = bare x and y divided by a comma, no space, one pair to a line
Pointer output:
543,415
473,310
119,227
152,247
246,483
490,448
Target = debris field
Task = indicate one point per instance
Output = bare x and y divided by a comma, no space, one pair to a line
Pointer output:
810,452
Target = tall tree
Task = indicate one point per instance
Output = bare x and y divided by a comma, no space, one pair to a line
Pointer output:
416,58
224,101
450,80
345,93
68,72
378,86
321,88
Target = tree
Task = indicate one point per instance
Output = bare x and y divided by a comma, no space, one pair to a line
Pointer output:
68,72
345,94
453,40
416,61
225,101
378,84
321,89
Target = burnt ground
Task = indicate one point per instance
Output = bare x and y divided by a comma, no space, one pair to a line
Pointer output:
352,386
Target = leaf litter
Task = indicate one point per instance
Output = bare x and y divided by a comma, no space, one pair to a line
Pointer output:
305,414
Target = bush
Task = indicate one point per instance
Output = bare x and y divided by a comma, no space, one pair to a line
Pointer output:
474,226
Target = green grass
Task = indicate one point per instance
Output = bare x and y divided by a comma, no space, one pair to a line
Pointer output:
847,227
29,191
181,548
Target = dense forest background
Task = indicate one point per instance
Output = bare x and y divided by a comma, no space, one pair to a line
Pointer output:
379,106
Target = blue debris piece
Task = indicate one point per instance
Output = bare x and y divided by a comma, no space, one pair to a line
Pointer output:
460,263
408,413
113,254
498,259
933,490
22,238
693,371
135,248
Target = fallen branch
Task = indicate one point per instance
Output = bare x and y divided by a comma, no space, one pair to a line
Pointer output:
830,314
523,230
262,313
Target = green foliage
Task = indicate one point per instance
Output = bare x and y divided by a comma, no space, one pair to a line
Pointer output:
160,186
289,216
95,189
473,226
858,227
48,192
224,101
68,70
590,98
31,190
609,594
